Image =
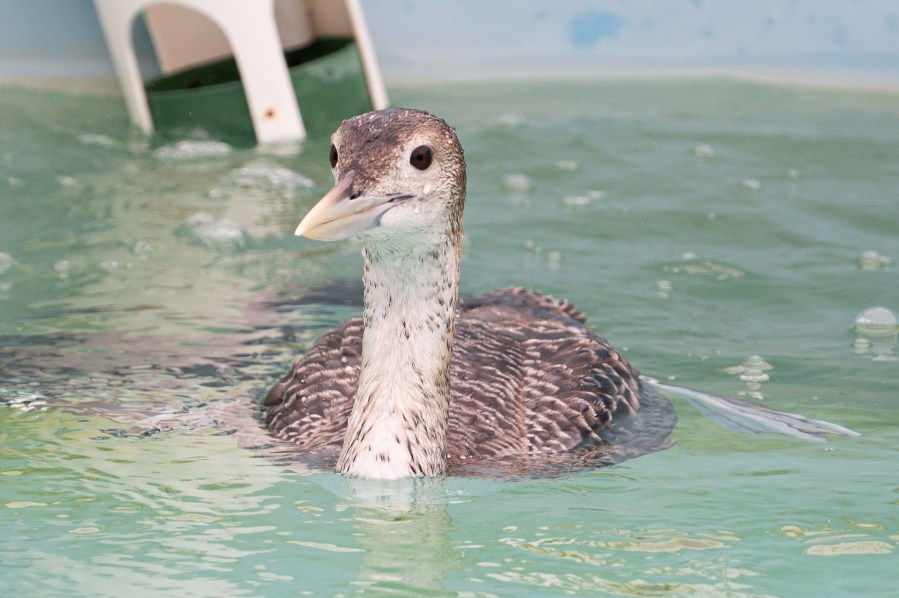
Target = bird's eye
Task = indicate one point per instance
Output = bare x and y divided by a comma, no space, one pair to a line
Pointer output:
332,155
421,157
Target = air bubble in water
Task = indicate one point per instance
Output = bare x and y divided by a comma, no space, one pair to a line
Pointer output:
663,289
517,183
876,332
143,248
694,266
192,150
512,121
212,231
260,175
553,259
63,268
96,139
704,150
583,200
871,260
753,372
532,245
876,321
751,184
6,262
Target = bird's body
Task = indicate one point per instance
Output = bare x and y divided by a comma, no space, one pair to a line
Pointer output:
532,390
423,383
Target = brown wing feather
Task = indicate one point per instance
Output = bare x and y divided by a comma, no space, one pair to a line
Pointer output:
529,380
312,402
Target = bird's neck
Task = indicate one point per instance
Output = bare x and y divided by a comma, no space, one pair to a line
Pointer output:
398,424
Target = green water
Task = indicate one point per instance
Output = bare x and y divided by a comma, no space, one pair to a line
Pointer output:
150,291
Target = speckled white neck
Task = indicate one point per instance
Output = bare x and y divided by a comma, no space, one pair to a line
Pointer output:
397,427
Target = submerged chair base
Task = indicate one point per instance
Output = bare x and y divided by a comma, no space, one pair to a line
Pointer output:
251,30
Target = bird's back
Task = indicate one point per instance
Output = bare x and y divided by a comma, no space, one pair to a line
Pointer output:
532,389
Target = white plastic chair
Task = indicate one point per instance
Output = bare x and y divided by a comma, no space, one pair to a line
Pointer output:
251,30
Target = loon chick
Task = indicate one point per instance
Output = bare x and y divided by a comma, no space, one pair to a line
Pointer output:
422,383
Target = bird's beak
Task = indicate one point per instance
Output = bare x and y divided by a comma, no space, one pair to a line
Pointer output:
338,215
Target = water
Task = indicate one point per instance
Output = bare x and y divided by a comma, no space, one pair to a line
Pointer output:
723,234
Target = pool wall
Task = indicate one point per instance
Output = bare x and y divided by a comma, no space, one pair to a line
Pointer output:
851,43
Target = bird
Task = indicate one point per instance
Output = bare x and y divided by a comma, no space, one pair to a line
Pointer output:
425,384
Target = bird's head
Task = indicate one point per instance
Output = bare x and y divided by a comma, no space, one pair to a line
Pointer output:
396,171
